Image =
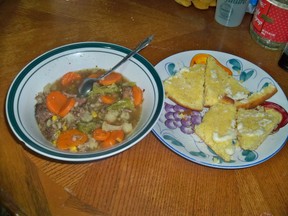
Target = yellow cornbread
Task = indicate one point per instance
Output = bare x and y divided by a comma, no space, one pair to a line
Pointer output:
257,97
206,85
254,125
218,131
219,85
211,86
186,87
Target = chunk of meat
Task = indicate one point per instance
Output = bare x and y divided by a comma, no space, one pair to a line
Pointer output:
42,114
127,92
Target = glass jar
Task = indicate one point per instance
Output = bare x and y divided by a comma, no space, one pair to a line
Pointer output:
269,26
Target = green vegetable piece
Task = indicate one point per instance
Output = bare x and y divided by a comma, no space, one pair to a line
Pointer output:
122,104
129,84
87,127
104,90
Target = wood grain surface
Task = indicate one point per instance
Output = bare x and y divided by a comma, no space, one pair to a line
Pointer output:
148,179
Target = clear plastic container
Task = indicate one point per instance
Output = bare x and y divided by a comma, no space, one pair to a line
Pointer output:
230,13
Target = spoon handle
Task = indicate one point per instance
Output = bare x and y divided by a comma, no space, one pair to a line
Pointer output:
87,83
141,46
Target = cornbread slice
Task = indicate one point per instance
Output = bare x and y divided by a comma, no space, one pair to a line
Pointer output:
220,86
254,125
186,87
218,130
257,98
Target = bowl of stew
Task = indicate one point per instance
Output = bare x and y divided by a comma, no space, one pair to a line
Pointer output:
46,113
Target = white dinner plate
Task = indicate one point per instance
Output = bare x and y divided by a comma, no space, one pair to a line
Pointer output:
190,146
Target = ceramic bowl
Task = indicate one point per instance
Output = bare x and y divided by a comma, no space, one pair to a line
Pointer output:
50,66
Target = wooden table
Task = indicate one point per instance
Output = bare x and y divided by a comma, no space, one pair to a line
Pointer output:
148,179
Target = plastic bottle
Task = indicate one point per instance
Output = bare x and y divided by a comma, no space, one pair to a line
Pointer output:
230,13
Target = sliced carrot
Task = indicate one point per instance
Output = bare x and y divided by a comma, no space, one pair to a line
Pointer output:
59,103
65,109
55,100
109,142
118,135
71,138
112,78
114,137
107,99
201,58
94,75
100,135
137,95
69,78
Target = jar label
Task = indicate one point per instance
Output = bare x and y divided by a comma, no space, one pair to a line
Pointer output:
271,22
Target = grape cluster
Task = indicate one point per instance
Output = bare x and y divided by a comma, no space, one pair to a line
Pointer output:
180,117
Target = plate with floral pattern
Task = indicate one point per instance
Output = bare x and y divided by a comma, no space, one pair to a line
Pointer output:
175,127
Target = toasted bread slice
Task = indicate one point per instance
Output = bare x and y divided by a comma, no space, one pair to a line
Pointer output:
257,98
218,130
186,87
254,125
220,86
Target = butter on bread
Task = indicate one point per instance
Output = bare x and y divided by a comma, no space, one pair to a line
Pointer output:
257,97
218,130
186,87
206,85
254,126
220,86
224,127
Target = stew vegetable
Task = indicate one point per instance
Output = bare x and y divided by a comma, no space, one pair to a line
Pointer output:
103,119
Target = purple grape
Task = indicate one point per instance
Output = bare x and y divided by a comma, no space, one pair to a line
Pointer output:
170,124
196,113
179,108
195,119
168,107
177,123
186,122
187,130
169,115
180,117
177,115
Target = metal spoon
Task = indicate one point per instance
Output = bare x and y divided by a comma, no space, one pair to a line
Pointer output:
87,84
